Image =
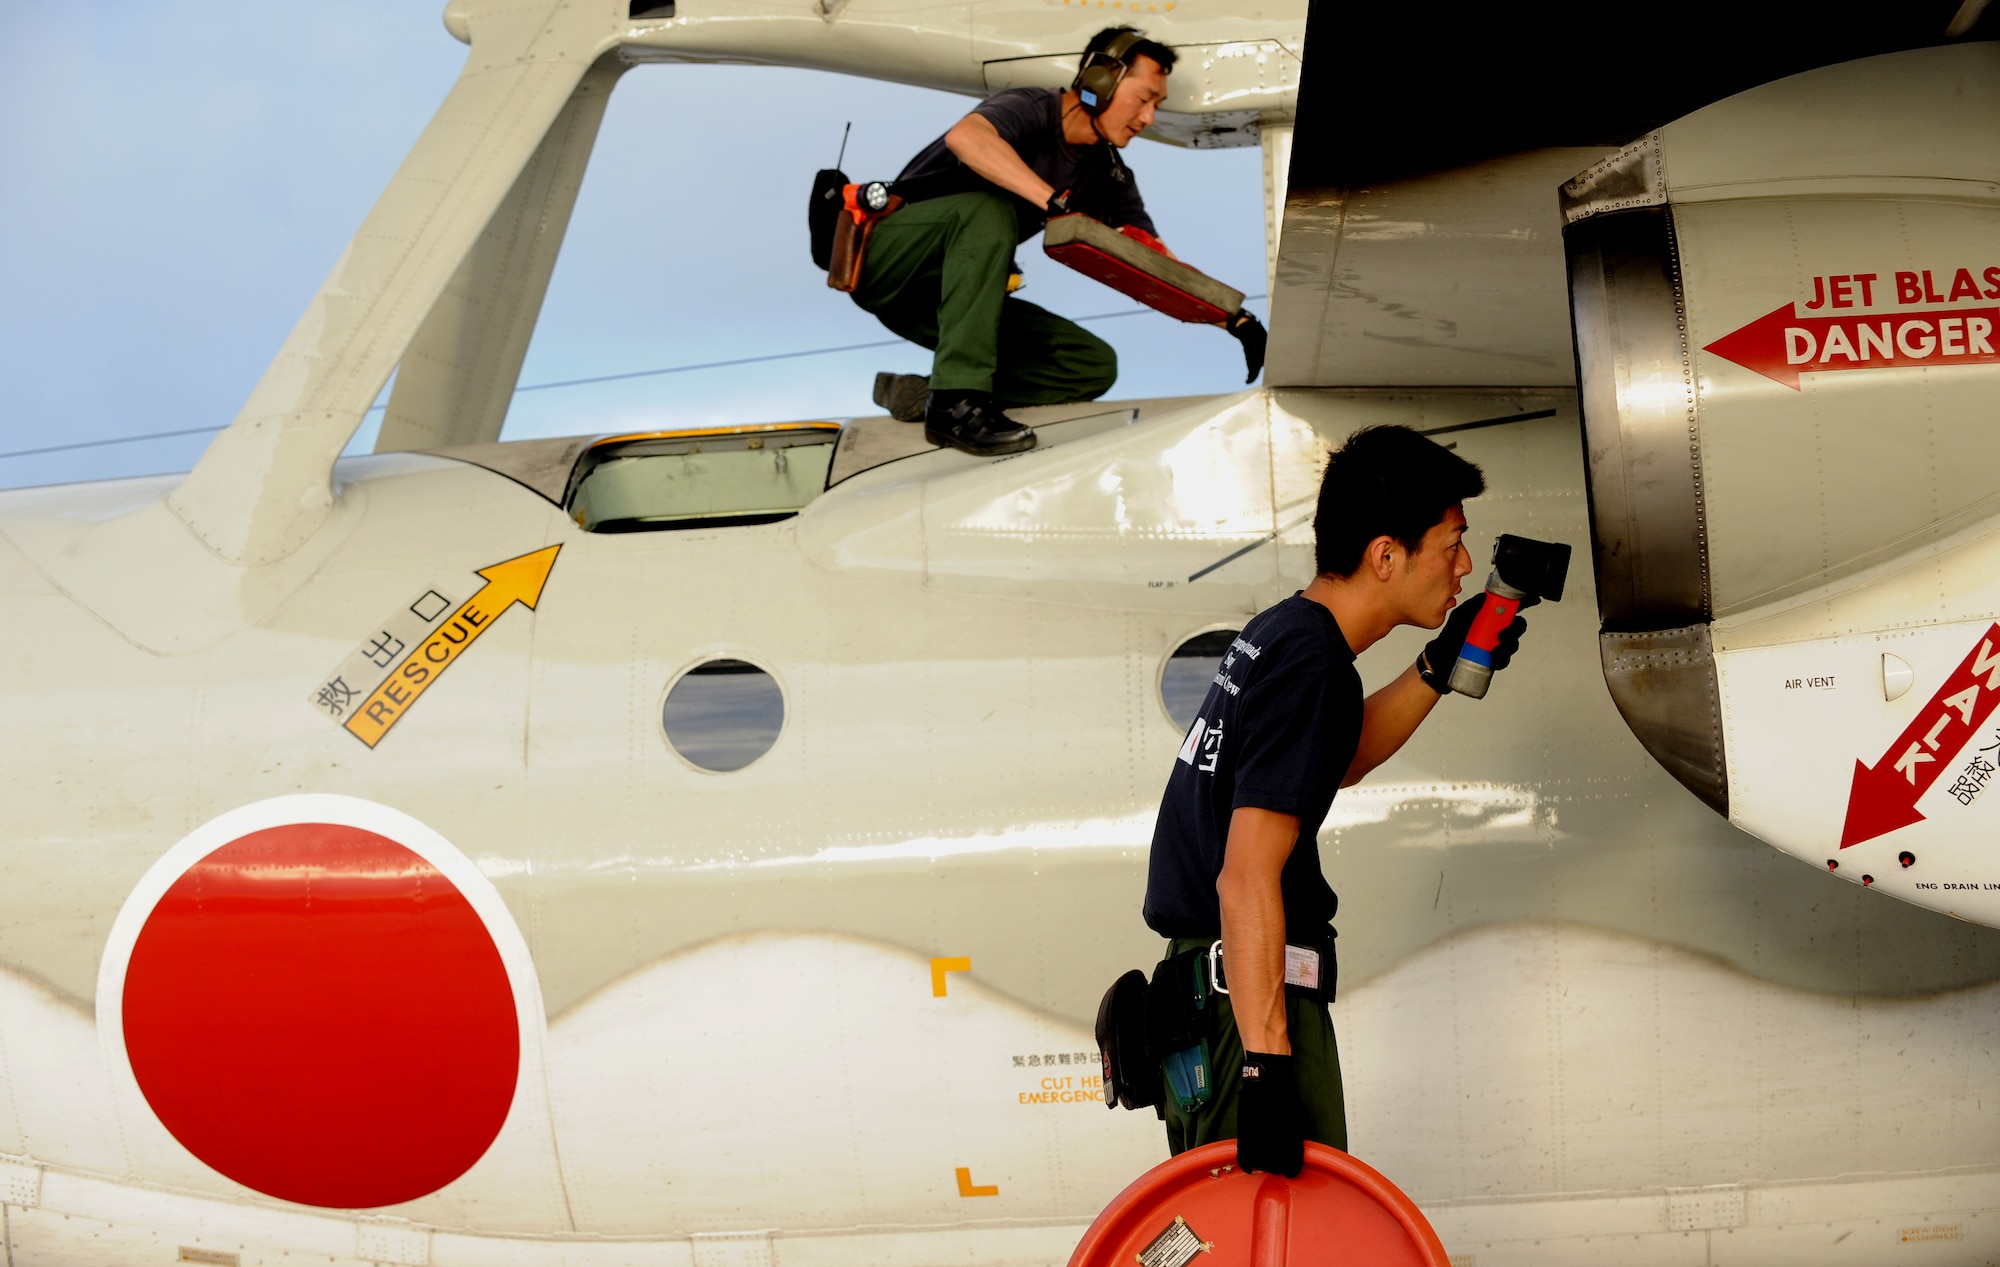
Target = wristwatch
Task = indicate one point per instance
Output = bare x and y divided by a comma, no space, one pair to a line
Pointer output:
1058,203
1439,682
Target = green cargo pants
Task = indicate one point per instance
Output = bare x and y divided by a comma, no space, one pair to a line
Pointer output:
936,274
1315,1058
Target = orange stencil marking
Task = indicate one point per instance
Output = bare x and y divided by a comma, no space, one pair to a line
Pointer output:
941,966
519,580
967,1188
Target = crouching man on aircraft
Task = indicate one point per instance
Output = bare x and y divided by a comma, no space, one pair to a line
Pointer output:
937,270
1234,878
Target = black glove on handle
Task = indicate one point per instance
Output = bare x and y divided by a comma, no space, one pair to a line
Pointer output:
1441,653
1270,1120
1249,331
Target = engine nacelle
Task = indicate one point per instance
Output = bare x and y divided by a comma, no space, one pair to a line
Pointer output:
1787,315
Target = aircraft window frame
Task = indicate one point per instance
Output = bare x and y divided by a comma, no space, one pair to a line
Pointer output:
1160,674
763,436
715,656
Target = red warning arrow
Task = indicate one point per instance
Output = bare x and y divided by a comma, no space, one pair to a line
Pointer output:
1781,345
1884,796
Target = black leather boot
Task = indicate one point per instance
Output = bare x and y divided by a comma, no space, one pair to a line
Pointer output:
972,423
902,396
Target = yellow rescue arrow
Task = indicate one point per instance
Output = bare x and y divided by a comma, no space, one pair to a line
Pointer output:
515,581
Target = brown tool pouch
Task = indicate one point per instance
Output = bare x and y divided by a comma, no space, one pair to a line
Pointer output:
850,248
851,232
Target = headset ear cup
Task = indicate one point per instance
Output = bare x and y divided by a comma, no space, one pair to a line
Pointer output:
1100,73
1095,86
1089,84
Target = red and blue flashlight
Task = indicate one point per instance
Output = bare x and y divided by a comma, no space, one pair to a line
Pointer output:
1523,568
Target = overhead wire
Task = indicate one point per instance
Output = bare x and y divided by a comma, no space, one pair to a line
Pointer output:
92,444
567,382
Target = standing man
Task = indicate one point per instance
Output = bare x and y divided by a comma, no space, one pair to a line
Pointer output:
1235,854
936,272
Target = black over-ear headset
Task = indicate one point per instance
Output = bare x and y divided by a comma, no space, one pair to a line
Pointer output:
1100,73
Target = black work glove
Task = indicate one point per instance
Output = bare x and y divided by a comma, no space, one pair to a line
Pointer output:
1270,1120
1247,330
1440,654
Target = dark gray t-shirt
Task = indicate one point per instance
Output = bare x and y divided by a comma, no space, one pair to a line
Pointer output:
1278,730
1030,120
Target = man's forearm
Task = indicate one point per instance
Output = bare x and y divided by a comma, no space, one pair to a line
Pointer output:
1253,925
1388,718
979,145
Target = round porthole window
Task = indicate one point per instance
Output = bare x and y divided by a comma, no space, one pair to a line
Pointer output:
1190,670
723,714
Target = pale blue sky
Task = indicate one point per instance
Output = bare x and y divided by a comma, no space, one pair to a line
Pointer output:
180,177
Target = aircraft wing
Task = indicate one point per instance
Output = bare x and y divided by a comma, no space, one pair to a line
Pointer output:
1422,241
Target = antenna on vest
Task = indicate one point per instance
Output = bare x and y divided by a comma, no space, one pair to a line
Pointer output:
843,144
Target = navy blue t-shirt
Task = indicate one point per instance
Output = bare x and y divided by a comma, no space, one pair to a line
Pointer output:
1030,120
1277,731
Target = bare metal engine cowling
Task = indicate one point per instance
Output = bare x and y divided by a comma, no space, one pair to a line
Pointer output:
1787,310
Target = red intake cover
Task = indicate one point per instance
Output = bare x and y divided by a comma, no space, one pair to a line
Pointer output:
1131,263
1198,1209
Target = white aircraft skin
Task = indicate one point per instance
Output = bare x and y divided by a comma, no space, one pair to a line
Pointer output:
835,1006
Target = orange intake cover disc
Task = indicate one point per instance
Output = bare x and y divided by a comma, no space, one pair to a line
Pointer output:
1199,1207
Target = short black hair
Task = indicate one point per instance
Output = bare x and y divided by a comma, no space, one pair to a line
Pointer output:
1386,481
1160,53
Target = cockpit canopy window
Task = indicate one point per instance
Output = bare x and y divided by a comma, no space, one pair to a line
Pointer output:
700,479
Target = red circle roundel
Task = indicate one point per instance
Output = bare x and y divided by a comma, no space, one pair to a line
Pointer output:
318,1013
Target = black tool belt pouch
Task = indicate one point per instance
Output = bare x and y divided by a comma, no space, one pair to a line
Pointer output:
824,213
1131,1074
1177,1028
1177,1003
